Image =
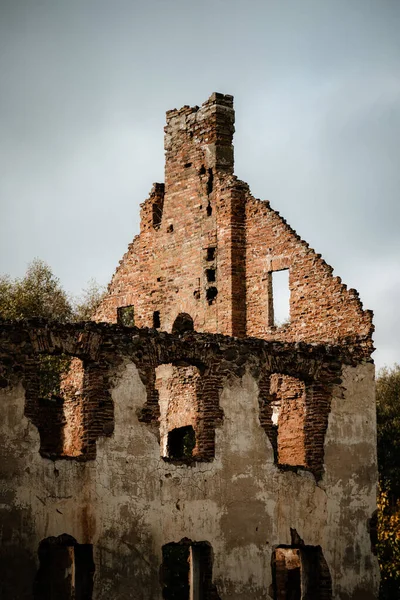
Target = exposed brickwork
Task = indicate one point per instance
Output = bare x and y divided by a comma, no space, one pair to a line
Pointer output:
204,219
176,388
199,362
201,268
69,425
290,404
301,572
303,407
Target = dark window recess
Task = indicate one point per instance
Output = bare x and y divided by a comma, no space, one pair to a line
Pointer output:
156,319
210,274
182,323
300,572
66,570
210,254
209,210
188,165
51,418
181,442
175,572
196,294
211,294
187,571
202,170
157,214
210,182
126,316
170,228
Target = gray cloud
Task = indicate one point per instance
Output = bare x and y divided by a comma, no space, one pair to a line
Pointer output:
85,86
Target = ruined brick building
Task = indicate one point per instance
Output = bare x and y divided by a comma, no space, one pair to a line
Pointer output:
197,448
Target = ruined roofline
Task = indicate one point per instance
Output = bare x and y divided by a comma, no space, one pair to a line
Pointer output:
352,292
199,149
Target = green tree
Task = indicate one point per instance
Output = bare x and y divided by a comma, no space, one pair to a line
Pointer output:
40,294
37,294
388,422
85,306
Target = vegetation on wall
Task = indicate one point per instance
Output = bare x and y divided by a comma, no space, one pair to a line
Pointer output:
388,421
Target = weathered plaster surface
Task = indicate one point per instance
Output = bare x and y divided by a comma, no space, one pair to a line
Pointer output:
128,502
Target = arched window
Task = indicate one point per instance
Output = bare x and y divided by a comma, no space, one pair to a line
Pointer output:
182,323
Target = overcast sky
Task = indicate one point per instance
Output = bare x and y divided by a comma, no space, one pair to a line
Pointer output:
83,92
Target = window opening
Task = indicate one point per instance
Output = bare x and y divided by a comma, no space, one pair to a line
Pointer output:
182,323
202,170
210,274
59,395
157,213
288,417
210,254
210,182
287,567
181,442
280,301
66,570
126,316
187,571
211,295
170,228
209,210
300,573
156,319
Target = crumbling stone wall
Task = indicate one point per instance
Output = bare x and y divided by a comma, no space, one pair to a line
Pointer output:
208,248
283,420
126,502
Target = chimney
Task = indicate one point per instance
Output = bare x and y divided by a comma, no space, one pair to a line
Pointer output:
200,138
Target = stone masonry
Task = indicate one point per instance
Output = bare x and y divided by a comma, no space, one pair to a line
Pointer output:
192,447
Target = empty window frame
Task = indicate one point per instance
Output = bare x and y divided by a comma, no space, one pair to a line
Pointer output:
211,295
55,387
278,298
66,570
182,323
181,442
180,413
156,319
288,416
157,213
210,275
300,573
210,254
187,571
126,316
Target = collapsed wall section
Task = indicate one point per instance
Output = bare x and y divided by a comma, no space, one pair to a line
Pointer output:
322,309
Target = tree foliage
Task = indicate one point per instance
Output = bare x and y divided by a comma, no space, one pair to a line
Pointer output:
37,294
388,422
40,294
85,306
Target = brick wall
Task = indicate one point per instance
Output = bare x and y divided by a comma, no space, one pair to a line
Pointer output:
204,222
